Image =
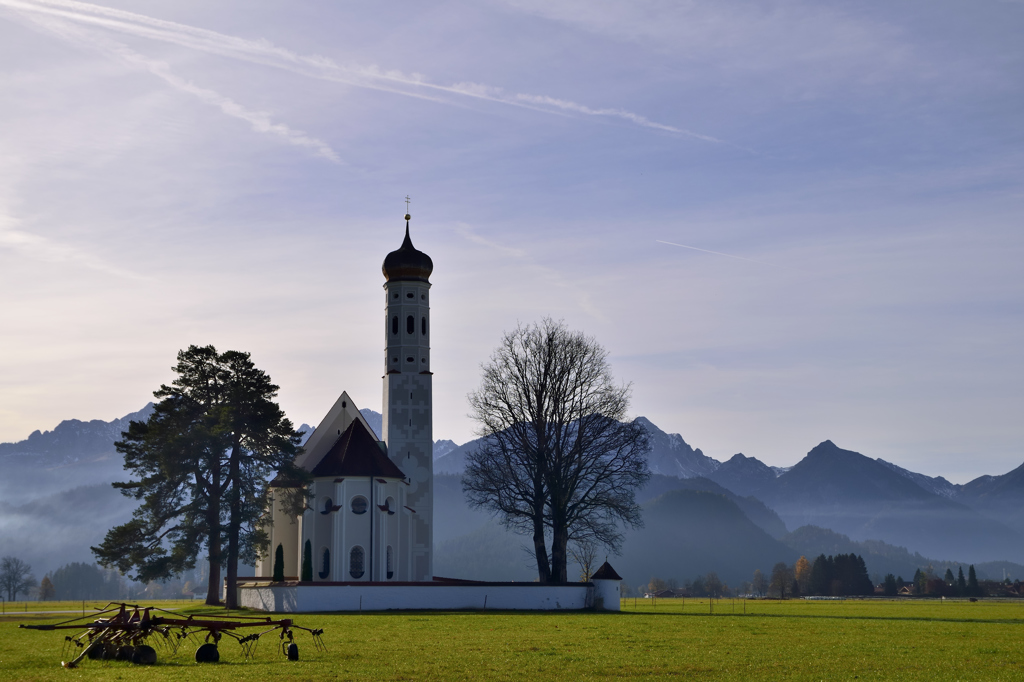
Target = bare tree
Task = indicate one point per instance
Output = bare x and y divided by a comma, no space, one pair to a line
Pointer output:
782,580
15,576
584,553
759,584
558,458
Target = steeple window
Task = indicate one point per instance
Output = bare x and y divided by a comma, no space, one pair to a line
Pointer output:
394,324
410,325
423,326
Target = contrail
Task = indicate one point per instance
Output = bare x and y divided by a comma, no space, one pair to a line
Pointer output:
259,121
717,253
315,66
35,246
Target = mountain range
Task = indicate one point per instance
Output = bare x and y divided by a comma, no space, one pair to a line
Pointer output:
700,514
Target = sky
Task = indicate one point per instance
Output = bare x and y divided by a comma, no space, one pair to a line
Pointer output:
786,221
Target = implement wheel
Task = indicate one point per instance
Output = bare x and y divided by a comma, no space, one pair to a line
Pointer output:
124,653
144,655
207,653
293,652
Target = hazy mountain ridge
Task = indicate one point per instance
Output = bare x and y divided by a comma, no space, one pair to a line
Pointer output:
867,499
934,484
670,455
73,439
67,471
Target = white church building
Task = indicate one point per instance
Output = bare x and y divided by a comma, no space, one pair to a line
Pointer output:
368,530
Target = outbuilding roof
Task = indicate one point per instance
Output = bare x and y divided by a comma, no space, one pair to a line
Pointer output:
606,572
356,453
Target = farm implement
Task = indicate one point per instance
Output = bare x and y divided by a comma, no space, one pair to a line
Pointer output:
128,632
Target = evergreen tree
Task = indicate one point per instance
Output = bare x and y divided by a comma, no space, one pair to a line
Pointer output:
961,584
79,580
307,563
279,564
949,579
920,581
973,589
891,588
203,460
821,579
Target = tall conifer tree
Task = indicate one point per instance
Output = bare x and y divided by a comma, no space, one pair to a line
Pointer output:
203,460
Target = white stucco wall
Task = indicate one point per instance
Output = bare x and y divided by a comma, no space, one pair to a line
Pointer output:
519,597
607,595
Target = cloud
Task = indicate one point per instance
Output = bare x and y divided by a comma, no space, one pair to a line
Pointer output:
260,121
316,66
717,253
466,231
42,248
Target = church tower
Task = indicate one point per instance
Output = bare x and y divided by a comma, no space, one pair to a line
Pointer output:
408,419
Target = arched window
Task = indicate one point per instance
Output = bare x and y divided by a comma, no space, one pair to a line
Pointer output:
328,506
359,505
326,572
410,325
423,326
394,324
390,506
391,561
355,562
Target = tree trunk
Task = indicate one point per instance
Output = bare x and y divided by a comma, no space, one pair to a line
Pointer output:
559,543
541,551
213,521
234,521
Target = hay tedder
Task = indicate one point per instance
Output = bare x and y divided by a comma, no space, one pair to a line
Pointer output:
128,632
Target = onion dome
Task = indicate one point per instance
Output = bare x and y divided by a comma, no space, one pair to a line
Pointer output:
407,263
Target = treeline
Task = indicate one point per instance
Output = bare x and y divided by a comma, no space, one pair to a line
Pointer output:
927,583
78,580
842,575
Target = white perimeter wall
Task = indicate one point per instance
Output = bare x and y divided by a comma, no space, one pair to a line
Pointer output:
312,598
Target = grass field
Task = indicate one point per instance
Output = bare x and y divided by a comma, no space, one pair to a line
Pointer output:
670,639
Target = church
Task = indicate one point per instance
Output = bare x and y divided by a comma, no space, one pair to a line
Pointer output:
365,539
370,518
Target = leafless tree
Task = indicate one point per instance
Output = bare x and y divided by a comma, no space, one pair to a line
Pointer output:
15,576
782,580
759,584
584,552
558,458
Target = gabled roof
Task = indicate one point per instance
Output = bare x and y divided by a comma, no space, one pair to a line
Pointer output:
341,414
356,453
606,572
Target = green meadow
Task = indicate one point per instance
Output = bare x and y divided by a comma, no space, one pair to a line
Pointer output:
666,639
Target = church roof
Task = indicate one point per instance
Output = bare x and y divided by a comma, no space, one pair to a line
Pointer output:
407,263
606,572
356,453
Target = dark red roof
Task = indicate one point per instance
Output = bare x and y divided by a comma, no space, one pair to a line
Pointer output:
606,572
356,453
